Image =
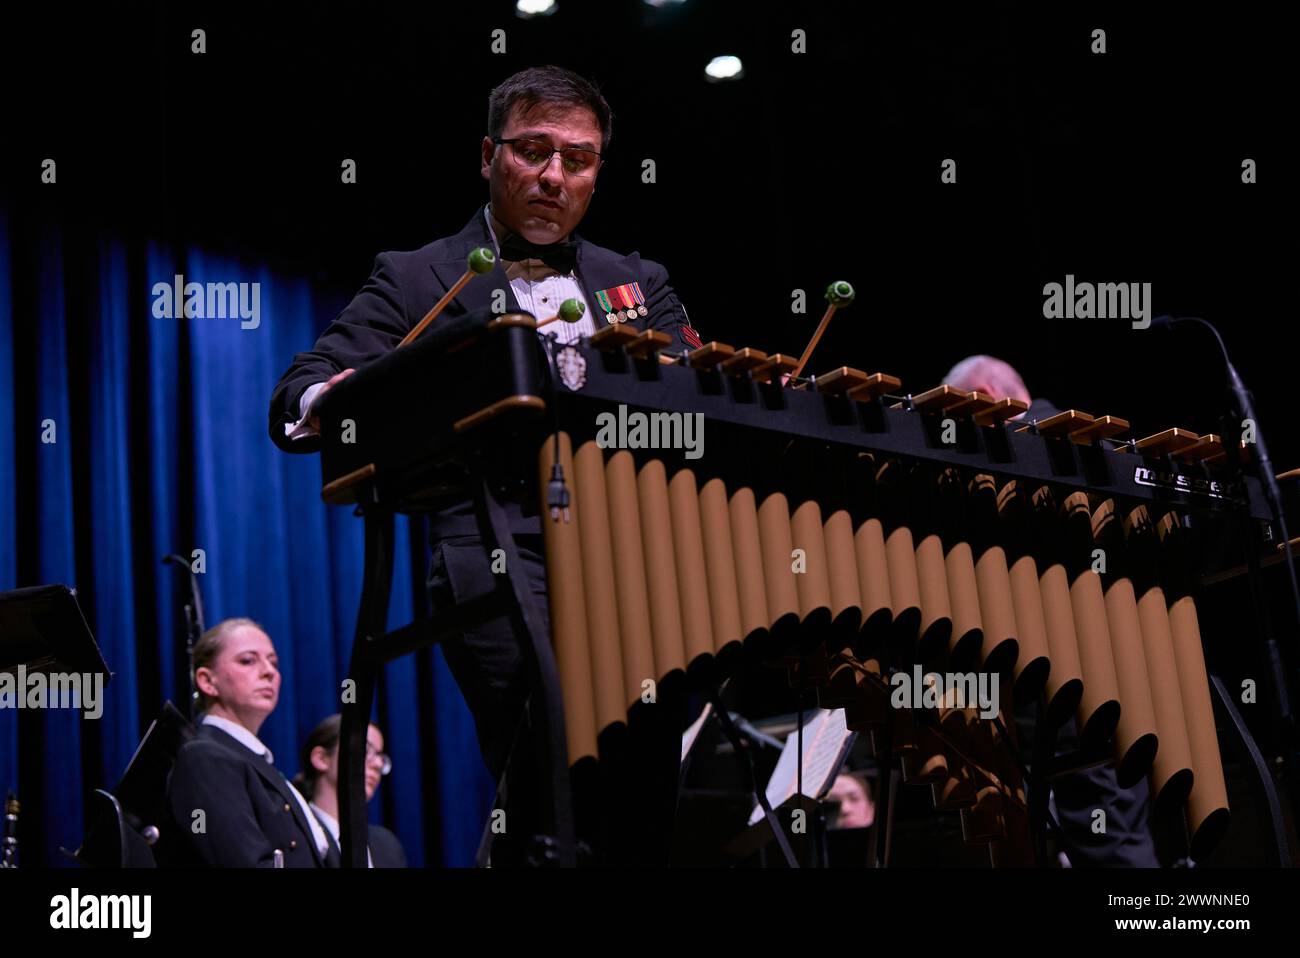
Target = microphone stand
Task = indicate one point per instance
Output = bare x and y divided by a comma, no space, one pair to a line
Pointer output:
194,626
1241,407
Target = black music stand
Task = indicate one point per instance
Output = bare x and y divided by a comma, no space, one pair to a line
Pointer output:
128,823
42,630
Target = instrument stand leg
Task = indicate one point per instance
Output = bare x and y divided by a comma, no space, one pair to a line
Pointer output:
1036,782
821,855
760,793
1278,669
1261,778
482,857
878,845
359,695
557,846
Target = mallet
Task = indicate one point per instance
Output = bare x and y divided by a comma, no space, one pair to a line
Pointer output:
481,261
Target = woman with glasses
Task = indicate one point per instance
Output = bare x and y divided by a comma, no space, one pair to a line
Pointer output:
319,781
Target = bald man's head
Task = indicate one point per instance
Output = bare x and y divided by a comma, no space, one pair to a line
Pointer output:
987,374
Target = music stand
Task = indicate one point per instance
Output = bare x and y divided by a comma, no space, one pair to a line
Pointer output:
42,630
131,820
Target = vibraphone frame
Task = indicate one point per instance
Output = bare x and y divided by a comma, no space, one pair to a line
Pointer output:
827,415
892,425
373,647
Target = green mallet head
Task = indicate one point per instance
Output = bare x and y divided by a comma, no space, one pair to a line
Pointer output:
571,310
839,293
482,260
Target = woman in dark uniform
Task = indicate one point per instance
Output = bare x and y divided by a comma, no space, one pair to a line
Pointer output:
230,806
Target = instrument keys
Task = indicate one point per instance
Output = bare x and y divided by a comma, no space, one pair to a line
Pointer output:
709,355
1207,447
1062,424
839,380
877,385
1166,443
612,337
1000,411
773,368
977,403
742,361
648,343
1103,427
941,399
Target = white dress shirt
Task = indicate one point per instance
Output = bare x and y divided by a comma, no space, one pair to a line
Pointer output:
539,289
250,741
332,823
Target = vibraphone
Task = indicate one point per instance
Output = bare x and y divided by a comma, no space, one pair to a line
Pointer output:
832,526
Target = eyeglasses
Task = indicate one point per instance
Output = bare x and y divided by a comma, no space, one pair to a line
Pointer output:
535,155
372,754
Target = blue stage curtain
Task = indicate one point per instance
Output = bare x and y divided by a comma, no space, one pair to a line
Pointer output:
162,447
8,470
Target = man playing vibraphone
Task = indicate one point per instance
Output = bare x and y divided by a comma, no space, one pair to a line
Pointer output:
548,131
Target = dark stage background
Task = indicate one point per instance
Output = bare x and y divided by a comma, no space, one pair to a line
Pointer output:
1122,167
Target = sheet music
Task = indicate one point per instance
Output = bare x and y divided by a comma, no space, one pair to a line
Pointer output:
826,741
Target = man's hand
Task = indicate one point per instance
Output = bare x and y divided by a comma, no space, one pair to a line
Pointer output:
313,414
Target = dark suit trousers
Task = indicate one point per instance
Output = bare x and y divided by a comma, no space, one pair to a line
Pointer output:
488,664
487,661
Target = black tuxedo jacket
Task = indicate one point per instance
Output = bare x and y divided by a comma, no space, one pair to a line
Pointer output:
249,809
405,285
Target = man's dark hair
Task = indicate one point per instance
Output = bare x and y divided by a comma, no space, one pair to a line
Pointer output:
552,85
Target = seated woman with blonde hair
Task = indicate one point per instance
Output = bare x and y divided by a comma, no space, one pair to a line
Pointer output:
230,807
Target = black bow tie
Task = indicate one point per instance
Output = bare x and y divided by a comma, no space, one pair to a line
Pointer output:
561,257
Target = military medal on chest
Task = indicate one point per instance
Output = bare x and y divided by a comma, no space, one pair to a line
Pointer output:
622,303
606,304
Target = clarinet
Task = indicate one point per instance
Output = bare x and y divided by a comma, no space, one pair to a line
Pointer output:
9,851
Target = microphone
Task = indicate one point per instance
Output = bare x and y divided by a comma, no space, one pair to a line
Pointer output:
753,733
1245,410
1245,407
